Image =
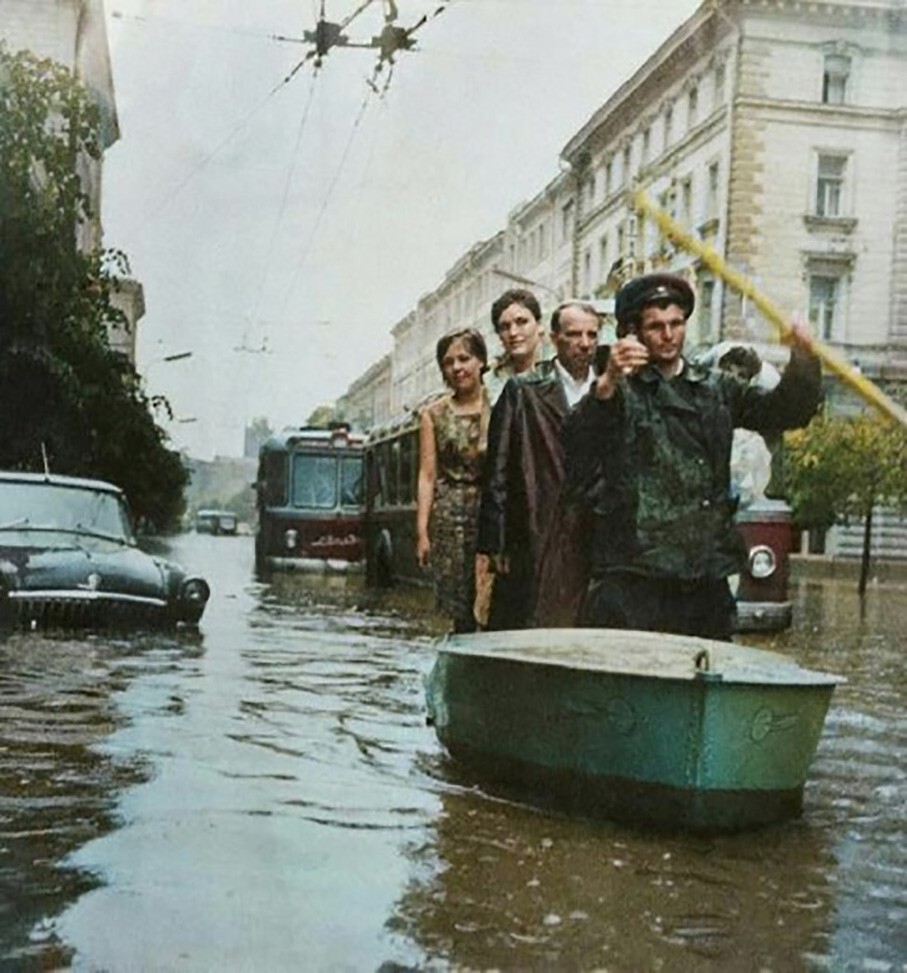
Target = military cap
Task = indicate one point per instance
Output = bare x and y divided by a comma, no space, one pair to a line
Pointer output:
640,291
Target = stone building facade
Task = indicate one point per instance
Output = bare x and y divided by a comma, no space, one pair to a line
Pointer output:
774,130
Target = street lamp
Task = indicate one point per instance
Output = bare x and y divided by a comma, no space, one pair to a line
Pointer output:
161,359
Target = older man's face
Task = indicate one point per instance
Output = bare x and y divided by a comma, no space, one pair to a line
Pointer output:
576,340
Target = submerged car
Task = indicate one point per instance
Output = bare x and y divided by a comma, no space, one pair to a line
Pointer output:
68,559
216,522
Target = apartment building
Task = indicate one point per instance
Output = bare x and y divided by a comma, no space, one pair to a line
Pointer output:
777,133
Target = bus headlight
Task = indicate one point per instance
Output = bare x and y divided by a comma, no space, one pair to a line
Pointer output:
762,562
290,538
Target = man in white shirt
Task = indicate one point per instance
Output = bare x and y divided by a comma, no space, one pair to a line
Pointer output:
524,465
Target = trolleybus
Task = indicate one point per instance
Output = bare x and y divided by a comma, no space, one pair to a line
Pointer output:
309,499
392,472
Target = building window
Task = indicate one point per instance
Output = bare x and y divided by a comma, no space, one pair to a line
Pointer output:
712,191
706,304
720,81
543,241
590,191
693,107
587,272
603,257
668,125
646,145
566,221
824,293
609,177
830,185
627,159
834,79
686,201
630,236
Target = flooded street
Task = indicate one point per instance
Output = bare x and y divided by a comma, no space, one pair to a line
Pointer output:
266,795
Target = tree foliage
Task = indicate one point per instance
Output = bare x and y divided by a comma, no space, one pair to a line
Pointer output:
842,467
322,416
63,389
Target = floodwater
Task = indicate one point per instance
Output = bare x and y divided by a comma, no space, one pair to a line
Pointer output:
265,795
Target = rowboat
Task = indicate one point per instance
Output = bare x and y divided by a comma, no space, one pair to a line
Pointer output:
658,730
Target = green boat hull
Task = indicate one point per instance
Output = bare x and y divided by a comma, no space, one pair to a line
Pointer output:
687,733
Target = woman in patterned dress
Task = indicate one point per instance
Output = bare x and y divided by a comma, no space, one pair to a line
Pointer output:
453,432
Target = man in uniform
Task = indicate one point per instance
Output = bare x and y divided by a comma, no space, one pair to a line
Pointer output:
524,464
649,450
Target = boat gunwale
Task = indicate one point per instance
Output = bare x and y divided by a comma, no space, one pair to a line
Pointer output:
767,668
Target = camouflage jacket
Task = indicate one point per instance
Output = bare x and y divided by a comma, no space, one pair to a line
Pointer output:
653,462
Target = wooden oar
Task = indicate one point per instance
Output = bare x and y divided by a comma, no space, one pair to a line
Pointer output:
867,390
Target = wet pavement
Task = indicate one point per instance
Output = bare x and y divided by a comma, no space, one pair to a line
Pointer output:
265,795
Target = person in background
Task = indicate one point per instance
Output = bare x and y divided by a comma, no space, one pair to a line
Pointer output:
453,431
751,459
524,471
517,320
649,451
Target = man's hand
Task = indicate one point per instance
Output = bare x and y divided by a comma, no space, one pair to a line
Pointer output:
800,336
627,356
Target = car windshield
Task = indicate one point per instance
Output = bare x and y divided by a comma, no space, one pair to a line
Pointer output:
49,506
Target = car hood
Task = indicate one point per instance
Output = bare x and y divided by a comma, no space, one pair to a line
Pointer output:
95,567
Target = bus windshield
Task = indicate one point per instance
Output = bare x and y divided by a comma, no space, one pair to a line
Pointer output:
351,481
314,481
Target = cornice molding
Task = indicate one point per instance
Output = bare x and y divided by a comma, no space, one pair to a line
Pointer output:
851,116
850,8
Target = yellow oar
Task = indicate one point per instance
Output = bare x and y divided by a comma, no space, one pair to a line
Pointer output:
831,359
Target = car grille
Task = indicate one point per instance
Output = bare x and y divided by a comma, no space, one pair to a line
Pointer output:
65,611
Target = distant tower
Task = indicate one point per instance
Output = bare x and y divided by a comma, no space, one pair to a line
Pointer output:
256,433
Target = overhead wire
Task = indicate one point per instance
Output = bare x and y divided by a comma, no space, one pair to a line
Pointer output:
338,172
372,88
291,171
245,118
207,158
313,53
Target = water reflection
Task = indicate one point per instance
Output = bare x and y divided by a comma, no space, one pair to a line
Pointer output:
502,886
270,797
59,785
325,685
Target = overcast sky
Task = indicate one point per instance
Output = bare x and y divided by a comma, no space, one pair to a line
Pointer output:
281,230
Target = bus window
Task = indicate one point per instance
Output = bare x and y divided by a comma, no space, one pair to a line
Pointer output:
351,482
371,477
314,481
413,440
393,473
382,459
274,479
407,469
